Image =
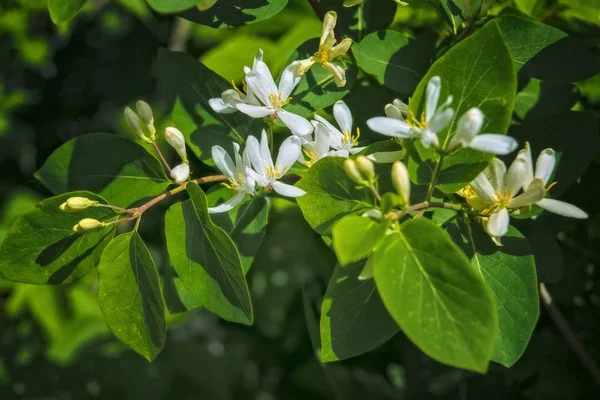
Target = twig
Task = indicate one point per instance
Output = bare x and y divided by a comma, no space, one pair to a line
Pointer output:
180,35
161,156
566,331
375,192
317,8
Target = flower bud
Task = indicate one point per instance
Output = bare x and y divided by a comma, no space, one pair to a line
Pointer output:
133,122
177,141
352,171
145,113
365,167
181,173
397,109
401,181
87,224
75,204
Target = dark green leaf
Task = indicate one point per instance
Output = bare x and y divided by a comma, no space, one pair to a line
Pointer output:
64,10
509,272
357,22
439,300
542,98
187,84
353,317
172,6
129,295
317,88
206,259
397,61
228,13
245,224
42,248
118,169
477,72
355,238
544,52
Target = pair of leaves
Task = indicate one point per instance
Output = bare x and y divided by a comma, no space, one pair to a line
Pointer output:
42,248
478,72
118,169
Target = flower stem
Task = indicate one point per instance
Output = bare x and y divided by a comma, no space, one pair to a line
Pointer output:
435,178
425,205
160,154
121,209
375,192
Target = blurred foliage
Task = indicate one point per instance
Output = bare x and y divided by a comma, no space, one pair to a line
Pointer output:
61,81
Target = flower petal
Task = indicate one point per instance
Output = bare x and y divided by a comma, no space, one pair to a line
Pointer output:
441,119
515,176
259,178
218,105
255,111
297,124
525,155
181,173
562,208
429,138
322,141
340,49
258,58
287,190
390,127
228,205
288,153
494,143
343,116
224,162
467,127
290,77
544,166
434,87
532,195
265,153
498,223
497,170
482,186
304,65
329,21
256,159
339,74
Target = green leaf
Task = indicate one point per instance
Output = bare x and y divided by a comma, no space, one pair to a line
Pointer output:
547,53
572,134
330,194
206,259
172,6
229,13
246,224
41,247
509,272
353,317
540,98
357,22
397,61
317,88
355,238
439,300
129,295
187,84
64,10
118,169
477,72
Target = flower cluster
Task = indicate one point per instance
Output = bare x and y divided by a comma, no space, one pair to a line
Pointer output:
402,123
498,192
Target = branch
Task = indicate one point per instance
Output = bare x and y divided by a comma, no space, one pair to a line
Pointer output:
566,331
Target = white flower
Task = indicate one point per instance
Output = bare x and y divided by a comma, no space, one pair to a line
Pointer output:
433,120
544,167
497,190
264,172
328,51
236,173
317,148
260,81
181,173
467,135
175,138
342,142
226,104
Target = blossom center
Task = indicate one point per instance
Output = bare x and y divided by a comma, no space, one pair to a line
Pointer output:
349,139
274,173
322,55
244,88
277,101
312,157
415,122
234,184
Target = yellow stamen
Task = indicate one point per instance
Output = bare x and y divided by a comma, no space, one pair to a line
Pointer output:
550,186
236,88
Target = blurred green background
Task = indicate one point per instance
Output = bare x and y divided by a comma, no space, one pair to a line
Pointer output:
59,82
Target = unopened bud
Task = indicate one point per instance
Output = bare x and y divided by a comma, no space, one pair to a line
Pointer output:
133,122
401,180
145,113
352,171
177,141
87,224
75,204
366,167
181,173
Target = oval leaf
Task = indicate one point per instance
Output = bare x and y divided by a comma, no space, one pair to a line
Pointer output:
118,169
41,247
439,300
354,237
64,10
129,295
206,259
172,6
228,13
